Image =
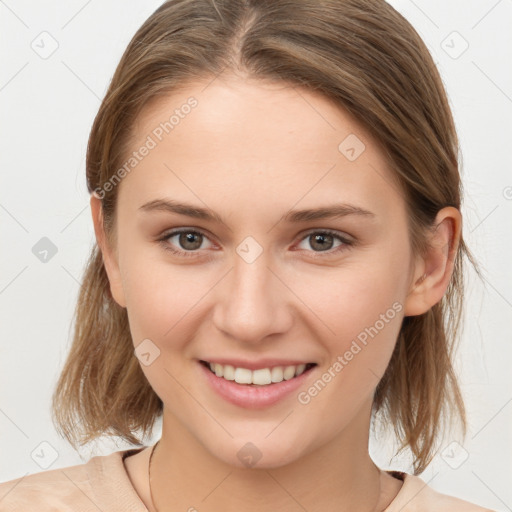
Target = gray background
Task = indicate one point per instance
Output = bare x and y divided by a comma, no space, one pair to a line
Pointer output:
56,61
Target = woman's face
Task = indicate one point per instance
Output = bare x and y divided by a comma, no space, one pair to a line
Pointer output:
256,282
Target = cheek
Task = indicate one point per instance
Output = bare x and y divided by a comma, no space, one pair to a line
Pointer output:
358,310
162,299
361,323
349,299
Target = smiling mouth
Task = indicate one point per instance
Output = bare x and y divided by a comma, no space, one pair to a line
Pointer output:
260,377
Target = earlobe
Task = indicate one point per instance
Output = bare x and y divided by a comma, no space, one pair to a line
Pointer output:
110,260
434,270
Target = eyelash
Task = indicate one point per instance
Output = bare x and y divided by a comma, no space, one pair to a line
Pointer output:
346,243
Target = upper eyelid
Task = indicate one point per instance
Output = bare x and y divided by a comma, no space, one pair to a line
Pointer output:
176,231
344,237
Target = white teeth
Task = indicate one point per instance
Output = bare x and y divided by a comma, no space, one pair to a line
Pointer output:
289,372
300,369
219,370
229,372
261,377
243,376
277,374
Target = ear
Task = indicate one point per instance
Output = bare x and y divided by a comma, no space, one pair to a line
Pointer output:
110,260
433,271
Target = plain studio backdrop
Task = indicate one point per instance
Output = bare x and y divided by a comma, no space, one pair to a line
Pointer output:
57,59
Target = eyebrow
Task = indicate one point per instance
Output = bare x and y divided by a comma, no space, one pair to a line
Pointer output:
197,212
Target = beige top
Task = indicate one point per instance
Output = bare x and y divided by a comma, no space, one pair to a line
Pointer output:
103,484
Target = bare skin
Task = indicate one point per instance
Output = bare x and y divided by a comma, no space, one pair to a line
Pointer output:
137,466
251,152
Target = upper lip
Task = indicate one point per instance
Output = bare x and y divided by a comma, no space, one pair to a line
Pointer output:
256,365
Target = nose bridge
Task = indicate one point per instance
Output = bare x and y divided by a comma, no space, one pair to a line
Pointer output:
251,304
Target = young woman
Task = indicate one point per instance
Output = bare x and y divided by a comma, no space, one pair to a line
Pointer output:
276,201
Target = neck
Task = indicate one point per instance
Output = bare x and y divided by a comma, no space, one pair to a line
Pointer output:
186,476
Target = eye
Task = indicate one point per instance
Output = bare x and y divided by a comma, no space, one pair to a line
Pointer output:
324,240
188,239
189,242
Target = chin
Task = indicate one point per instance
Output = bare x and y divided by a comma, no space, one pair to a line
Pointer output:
258,454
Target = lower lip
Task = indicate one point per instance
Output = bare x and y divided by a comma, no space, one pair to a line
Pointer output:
253,396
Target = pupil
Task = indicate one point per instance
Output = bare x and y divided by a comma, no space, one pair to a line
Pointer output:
321,239
189,238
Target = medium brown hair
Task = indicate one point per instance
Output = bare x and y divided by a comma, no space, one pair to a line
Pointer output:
367,58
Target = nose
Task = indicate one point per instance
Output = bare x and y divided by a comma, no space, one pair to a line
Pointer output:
252,302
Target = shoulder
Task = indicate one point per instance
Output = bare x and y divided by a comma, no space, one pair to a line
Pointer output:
417,496
53,490
91,486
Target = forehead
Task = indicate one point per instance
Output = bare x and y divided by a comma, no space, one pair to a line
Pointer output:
230,139
256,112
